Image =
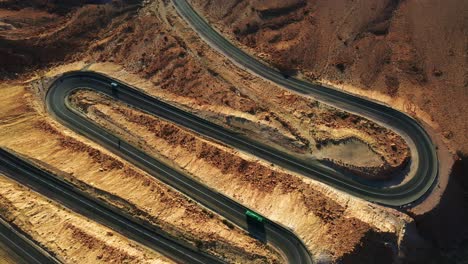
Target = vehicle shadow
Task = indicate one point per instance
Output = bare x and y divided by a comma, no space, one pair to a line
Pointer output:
256,229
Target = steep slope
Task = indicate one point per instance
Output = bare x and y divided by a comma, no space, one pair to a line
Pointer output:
408,54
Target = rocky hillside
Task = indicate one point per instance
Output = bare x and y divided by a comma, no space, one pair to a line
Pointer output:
47,32
409,54
384,48
410,50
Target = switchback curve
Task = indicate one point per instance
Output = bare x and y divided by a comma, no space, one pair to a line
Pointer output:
288,244
423,153
294,250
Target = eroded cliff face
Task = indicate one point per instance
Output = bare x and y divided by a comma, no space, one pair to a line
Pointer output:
27,130
324,217
67,235
184,67
146,43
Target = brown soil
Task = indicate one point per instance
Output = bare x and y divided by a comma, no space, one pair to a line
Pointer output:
172,66
35,38
153,49
407,54
49,6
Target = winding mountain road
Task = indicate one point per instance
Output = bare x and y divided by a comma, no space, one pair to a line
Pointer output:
424,159
56,188
424,167
289,245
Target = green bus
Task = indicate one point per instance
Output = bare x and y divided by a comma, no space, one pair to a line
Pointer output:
254,216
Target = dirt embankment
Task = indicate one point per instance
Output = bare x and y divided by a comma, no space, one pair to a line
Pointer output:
170,62
408,54
320,220
69,236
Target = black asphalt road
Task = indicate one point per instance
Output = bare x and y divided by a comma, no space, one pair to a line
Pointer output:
423,151
57,189
281,238
25,251
424,156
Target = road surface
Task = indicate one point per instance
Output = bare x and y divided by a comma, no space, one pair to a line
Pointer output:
24,250
424,167
63,192
290,246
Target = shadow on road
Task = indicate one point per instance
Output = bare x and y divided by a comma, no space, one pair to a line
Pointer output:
256,229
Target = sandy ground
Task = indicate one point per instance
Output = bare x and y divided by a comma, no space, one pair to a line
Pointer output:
156,44
183,69
408,51
409,55
329,46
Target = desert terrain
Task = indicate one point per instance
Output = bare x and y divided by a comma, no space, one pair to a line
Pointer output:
409,54
383,50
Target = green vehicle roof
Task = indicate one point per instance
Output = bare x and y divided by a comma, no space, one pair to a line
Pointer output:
254,215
